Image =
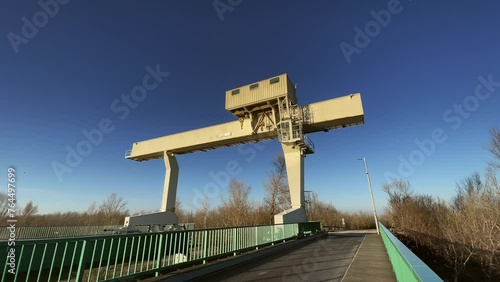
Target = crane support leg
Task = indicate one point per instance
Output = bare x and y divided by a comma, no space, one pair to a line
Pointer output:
166,216
294,160
170,186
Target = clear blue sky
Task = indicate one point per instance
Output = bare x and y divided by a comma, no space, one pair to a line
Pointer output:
411,72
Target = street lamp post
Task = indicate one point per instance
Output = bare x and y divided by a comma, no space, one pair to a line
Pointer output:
371,194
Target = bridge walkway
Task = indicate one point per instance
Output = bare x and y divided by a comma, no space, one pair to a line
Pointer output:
340,256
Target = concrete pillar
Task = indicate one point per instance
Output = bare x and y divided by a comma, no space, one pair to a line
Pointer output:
294,161
167,214
170,186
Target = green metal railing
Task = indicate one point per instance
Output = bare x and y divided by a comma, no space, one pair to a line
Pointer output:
43,232
406,265
130,256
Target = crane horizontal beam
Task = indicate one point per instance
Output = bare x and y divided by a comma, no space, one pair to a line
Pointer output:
320,116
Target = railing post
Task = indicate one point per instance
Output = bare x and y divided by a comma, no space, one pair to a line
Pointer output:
272,234
256,238
159,252
81,263
235,241
205,244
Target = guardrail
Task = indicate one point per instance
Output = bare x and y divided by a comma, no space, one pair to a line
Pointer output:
130,256
44,232
406,265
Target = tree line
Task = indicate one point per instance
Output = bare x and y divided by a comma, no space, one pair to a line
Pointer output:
238,210
111,211
463,232
235,209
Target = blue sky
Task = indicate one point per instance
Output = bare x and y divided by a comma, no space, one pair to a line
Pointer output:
414,72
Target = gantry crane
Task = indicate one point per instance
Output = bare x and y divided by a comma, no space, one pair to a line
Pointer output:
265,109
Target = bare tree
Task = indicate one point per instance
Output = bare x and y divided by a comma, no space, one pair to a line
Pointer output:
321,211
4,205
28,213
236,209
357,221
465,230
467,188
277,197
449,246
259,215
113,204
399,192
92,215
113,209
494,146
205,210
182,214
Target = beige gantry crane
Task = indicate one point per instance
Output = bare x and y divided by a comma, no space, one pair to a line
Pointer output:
265,109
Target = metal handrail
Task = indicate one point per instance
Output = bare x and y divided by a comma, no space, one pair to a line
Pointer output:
128,256
128,153
309,142
406,265
43,232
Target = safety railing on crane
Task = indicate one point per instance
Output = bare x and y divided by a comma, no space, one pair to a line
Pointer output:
128,153
309,142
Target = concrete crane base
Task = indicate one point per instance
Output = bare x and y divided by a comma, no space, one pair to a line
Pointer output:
152,219
292,215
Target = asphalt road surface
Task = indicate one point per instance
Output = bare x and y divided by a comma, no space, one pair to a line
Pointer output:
325,259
